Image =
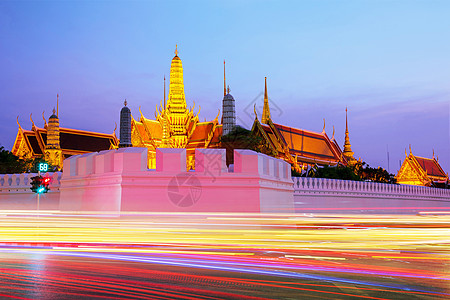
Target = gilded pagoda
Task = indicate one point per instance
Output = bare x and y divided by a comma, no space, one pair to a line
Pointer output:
54,143
175,126
417,170
299,147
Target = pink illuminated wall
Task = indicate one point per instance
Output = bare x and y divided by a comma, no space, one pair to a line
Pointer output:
118,180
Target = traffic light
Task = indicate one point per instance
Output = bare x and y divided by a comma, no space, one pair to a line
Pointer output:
40,184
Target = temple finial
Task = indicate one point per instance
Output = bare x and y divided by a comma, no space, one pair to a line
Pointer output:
45,121
266,111
164,91
348,153
31,119
54,111
176,50
17,120
228,89
346,122
224,84
125,102
265,88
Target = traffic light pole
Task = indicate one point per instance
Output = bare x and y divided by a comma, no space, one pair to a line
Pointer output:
39,195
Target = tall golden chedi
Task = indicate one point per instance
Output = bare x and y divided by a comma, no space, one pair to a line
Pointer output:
175,125
53,152
177,114
348,153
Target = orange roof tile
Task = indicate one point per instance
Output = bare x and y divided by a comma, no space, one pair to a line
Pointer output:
430,166
307,143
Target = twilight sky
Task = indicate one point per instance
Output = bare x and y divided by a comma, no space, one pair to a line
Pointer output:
387,61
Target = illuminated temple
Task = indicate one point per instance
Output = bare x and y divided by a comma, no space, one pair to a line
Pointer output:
299,147
417,170
175,125
54,143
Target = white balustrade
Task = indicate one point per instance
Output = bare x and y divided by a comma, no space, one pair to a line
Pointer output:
308,184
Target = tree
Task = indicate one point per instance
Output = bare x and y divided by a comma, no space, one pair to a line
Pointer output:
374,174
336,172
239,138
10,164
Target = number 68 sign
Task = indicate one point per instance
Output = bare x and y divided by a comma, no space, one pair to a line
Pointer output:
43,167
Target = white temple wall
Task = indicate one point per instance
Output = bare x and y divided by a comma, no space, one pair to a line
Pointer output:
320,195
118,180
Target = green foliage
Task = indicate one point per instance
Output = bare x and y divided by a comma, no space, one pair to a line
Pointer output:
239,138
337,172
10,164
361,171
374,174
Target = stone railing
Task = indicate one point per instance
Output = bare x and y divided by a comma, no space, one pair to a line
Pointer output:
15,192
19,182
320,195
306,184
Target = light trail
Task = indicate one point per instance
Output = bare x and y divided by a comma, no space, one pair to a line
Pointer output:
373,253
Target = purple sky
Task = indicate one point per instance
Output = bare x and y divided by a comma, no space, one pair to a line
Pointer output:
388,61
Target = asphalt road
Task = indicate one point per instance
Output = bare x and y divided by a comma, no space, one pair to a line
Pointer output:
223,256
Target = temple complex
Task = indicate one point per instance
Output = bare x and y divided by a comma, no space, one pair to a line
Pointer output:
299,147
54,143
175,125
417,170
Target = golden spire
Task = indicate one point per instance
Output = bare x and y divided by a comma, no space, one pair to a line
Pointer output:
125,102
176,102
228,89
176,50
224,89
347,147
164,91
266,111
53,153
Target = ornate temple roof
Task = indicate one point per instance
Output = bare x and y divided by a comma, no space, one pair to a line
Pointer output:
308,143
430,166
418,170
72,141
297,146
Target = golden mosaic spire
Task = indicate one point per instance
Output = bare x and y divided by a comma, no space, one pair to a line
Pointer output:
53,153
348,154
177,114
266,111
176,102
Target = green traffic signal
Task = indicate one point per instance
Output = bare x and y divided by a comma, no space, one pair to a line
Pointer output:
39,184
